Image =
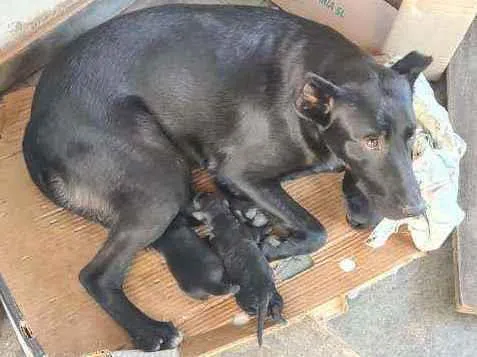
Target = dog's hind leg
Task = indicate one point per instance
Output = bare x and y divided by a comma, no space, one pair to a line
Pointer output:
145,182
103,277
121,171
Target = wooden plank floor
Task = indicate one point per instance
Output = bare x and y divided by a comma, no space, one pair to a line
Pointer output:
462,105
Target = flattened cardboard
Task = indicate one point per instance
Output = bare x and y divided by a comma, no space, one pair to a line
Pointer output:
43,248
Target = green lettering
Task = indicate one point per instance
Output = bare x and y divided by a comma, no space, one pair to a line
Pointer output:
339,11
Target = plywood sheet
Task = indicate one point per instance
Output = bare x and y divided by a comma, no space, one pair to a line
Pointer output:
43,248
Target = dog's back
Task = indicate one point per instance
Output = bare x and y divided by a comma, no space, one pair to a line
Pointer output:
191,72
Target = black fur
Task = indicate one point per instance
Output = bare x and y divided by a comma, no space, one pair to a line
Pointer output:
121,115
196,268
246,266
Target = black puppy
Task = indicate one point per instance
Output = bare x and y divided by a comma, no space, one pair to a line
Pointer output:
197,269
122,114
243,260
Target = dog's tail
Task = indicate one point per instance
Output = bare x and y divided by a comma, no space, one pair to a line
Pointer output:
262,313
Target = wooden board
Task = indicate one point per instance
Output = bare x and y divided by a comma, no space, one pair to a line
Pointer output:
43,248
462,106
434,27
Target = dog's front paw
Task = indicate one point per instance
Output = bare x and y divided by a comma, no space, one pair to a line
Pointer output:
359,213
364,219
157,336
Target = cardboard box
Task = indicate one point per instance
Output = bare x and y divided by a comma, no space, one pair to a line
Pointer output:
43,248
365,22
433,27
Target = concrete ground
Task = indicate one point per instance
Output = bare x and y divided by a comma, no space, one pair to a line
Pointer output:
9,346
409,314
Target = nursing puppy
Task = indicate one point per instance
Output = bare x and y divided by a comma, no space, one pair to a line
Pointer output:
197,269
244,262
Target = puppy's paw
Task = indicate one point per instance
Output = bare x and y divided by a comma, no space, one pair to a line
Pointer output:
247,211
158,335
264,305
249,303
275,308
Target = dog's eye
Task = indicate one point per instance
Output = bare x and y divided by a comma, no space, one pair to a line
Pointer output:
409,133
373,142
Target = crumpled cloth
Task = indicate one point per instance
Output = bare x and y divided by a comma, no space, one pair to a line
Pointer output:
436,155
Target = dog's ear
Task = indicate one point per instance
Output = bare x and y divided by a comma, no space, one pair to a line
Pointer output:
412,65
316,99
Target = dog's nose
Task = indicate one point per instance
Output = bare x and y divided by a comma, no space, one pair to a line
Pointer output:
413,211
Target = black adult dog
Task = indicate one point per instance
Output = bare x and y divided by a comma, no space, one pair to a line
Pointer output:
121,115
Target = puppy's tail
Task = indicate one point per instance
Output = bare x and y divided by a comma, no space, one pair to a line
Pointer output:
262,313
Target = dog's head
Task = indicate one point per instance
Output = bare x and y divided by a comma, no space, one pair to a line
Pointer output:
370,124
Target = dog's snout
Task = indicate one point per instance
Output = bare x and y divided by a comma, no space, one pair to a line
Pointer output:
413,211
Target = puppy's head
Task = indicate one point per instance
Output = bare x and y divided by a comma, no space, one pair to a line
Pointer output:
210,207
370,124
